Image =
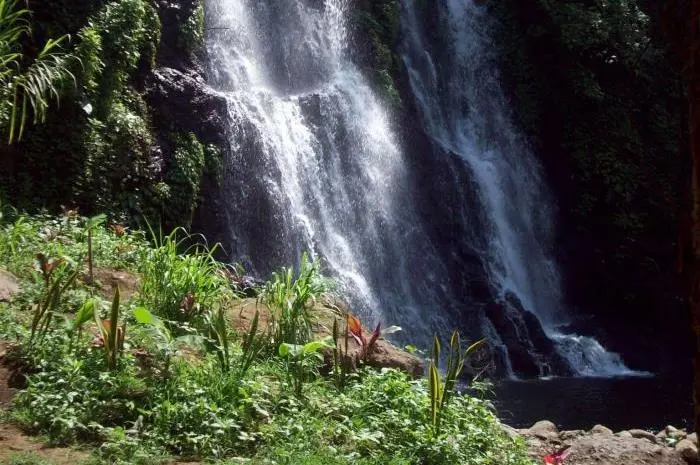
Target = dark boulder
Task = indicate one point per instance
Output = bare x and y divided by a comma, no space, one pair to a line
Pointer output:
530,350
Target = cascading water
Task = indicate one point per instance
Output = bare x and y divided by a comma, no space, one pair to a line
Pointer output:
454,79
314,165
426,243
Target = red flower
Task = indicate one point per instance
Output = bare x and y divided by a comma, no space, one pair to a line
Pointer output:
558,457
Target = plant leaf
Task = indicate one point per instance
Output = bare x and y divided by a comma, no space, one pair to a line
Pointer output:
143,316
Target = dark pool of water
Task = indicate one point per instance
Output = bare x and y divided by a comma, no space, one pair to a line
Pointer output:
580,403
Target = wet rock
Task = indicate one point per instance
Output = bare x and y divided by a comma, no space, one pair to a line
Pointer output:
183,101
642,434
693,438
606,449
531,352
510,431
688,451
569,435
600,429
386,355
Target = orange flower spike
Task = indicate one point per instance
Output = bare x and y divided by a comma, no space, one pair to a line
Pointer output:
355,328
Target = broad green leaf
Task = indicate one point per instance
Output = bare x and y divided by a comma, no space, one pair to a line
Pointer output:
143,316
314,346
285,350
85,313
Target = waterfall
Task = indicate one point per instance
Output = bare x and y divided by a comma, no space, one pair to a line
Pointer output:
455,236
454,78
314,165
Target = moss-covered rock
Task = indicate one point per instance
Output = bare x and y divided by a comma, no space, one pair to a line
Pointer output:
119,148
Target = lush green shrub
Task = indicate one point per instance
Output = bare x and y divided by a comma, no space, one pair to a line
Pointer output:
289,296
180,281
74,397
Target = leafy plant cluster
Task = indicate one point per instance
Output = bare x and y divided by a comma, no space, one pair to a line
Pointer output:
192,30
98,149
165,373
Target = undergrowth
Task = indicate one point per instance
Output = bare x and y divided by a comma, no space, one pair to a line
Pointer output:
185,384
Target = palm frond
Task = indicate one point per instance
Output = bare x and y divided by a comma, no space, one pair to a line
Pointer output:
33,88
40,84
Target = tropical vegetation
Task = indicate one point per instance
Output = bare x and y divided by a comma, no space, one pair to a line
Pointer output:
143,373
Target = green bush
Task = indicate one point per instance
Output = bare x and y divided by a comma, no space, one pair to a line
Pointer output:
180,282
289,296
70,398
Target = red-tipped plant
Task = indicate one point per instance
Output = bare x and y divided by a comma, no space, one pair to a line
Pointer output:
119,230
355,329
558,457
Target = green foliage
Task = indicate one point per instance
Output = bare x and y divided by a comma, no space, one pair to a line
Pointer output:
181,282
184,178
25,458
93,223
102,135
302,362
28,88
70,398
386,415
165,396
130,32
22,237
254,345
289,297
192,30
57,278
88,50
112,334
340,368
220,335
442,390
